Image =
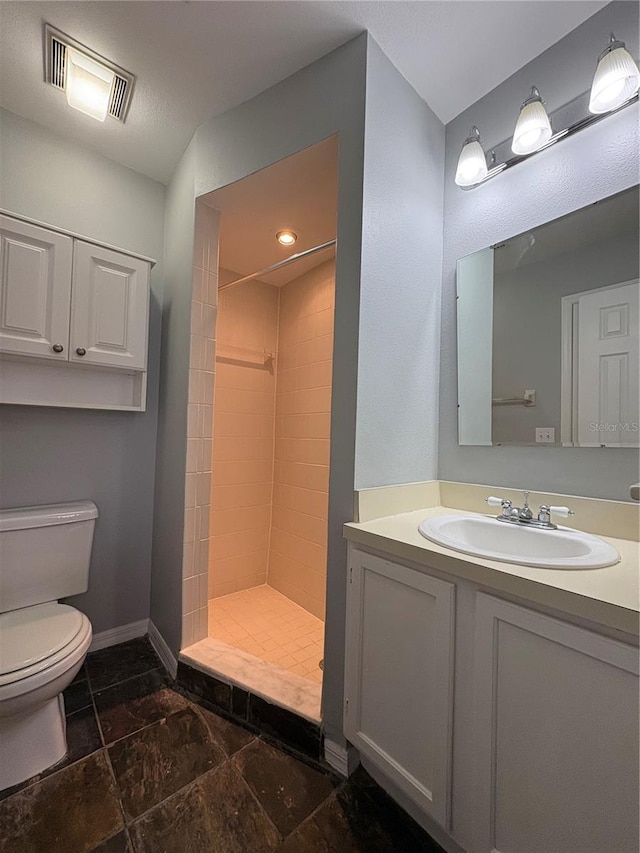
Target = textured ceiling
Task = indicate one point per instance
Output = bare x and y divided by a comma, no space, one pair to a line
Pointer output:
195,60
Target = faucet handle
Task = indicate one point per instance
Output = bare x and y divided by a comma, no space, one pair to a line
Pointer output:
505,503
544,515
563,511
494,501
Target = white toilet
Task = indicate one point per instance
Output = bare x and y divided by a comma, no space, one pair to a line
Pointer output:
44,556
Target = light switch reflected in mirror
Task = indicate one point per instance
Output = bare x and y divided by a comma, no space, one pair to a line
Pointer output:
548,333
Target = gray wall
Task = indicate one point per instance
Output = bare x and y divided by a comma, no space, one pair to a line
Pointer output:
168,520
527,328
593,164
325,98
398,361
392,301
49,455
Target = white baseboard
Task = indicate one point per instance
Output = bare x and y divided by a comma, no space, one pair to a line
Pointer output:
119,635
162,650
343,759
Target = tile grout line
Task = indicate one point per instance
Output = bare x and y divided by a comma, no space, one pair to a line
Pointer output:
312,814
124,680
105,749
198,709
273,442
95,712
118,795
181,790
143,728
254,795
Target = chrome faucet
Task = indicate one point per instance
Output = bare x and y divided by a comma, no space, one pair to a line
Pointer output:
523,515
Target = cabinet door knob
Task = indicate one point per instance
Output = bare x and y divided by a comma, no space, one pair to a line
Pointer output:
81,351
57,348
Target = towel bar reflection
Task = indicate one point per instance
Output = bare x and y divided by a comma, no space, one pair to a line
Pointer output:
527,399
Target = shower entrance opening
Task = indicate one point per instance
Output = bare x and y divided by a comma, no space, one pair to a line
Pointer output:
271,429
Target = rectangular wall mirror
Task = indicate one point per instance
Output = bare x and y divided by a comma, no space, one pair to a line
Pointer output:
548,333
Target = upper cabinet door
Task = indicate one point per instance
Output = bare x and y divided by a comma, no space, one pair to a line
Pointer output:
35,286
110,308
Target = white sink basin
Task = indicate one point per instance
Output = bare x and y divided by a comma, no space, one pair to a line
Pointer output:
527,546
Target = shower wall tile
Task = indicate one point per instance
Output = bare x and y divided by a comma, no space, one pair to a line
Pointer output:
240,518
195,557
188,559
304,500
244,410
190,491
297,553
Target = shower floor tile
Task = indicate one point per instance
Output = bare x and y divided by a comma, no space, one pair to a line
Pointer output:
264,623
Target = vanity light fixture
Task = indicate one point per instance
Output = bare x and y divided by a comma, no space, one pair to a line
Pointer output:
472,163
92,84
616,79
533,128
615,87
286,238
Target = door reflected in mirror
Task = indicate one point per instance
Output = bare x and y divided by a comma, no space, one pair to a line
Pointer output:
548,333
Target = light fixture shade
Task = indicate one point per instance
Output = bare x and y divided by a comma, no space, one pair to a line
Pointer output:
472,163
88,85
616,79
533,128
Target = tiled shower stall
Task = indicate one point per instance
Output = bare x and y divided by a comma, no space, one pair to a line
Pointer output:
271,438
258,458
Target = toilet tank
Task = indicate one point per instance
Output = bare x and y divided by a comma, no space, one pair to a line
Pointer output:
44,552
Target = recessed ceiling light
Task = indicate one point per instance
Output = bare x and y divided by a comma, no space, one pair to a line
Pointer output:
287,238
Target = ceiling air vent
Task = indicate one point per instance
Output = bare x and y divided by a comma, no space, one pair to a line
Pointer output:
56,47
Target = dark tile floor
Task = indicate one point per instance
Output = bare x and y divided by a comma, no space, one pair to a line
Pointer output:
150,771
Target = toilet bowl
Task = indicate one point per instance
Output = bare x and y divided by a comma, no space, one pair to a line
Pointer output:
43,644
43,648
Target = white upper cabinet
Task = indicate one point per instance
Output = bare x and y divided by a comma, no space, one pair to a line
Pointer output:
74,320
110,308
35,265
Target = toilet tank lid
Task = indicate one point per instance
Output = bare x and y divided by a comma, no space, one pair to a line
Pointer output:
47,515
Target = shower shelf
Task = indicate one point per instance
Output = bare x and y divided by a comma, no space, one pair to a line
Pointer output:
248,357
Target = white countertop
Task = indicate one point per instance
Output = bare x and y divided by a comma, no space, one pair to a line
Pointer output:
609,597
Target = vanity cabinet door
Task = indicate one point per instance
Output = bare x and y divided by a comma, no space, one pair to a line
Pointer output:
110,308
556,735
35,270
399,676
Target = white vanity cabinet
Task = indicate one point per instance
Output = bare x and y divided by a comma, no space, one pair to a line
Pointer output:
74,320
399,676
556,735
529,744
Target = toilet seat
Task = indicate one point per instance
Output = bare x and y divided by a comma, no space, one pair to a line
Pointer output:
34,640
